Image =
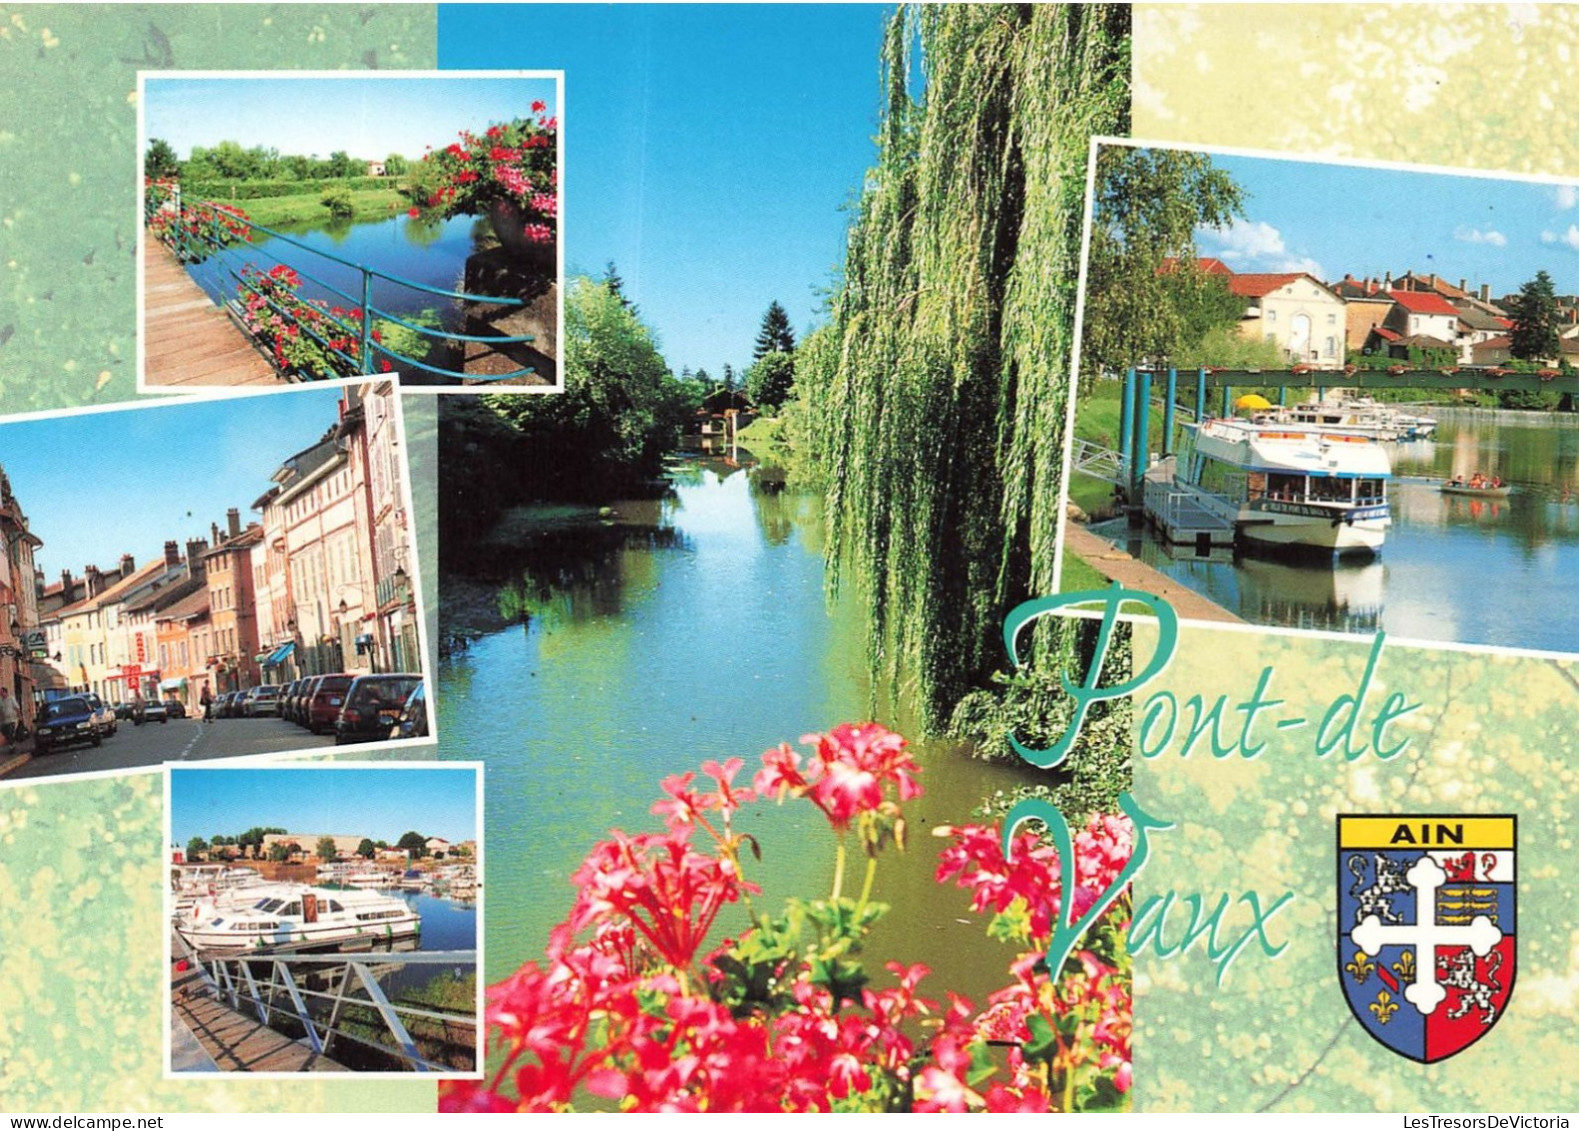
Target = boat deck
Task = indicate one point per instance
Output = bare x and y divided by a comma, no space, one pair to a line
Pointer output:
1182,514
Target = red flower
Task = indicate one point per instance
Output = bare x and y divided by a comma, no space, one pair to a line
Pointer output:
539,107
414,212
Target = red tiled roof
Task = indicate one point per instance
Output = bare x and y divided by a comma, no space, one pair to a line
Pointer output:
1385,334
1257,286
1205,264
1423,302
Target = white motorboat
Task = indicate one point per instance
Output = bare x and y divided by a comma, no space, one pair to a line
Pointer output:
1354,416
1289,488
296,916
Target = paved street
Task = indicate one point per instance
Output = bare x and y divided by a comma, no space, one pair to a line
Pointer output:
179,740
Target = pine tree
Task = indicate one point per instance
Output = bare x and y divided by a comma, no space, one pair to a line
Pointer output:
1534,314
616,285
775,335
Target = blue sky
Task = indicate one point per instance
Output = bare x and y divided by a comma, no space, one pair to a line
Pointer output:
98,485
709,150
368,116
1336,219
377,803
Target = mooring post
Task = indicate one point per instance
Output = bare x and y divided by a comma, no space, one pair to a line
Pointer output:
1200,394
1168,410
1141,449
1282,396
1228,396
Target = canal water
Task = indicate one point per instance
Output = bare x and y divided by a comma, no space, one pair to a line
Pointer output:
433,254
686,629
1501,572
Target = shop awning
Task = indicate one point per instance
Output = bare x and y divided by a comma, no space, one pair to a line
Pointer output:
279,655
176,684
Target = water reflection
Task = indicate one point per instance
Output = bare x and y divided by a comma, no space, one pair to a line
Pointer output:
1492,571
700,633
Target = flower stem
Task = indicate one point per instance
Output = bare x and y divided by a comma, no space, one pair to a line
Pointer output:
838,872
866,886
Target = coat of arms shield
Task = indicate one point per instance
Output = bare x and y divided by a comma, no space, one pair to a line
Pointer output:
1426,927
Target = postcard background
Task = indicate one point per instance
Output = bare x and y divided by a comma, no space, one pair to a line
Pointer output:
81,907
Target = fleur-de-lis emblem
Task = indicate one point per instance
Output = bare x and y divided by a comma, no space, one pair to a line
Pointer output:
1361,967
1405,966
1384,1007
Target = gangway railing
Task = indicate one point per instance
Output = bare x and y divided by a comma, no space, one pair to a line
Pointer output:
197,232
323,993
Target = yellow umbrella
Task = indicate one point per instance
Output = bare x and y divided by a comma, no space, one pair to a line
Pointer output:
1253,401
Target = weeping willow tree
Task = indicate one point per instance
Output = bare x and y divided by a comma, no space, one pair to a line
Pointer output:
938,390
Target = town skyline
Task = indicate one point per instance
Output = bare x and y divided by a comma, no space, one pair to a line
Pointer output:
369,116
1332,220
164,472
325,800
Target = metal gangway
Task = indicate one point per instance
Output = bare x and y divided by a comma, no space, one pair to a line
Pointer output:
324,994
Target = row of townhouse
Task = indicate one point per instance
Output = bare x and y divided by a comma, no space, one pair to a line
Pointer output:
20,645
318,583
1318,324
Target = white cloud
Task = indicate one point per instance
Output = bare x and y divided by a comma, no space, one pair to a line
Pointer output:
1567,196
1569,239
1254,246
1475,235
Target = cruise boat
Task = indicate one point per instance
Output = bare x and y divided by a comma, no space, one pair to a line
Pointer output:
296,916
192,884
1354,416
1290,489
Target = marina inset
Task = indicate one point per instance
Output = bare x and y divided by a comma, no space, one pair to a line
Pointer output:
293,949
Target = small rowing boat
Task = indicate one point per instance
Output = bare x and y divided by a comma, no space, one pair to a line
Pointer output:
1484,491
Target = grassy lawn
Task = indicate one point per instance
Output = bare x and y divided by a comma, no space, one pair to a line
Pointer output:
367,204
1077,576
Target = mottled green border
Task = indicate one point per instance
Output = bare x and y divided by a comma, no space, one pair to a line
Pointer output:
1472,86
82,917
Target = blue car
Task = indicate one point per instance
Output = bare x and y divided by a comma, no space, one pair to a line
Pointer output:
64,722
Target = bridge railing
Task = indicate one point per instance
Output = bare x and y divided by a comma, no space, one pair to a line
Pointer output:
324,995
346,339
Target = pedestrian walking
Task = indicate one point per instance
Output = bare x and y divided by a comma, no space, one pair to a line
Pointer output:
9,716
207,700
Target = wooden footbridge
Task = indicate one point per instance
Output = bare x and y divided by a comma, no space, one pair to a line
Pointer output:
188,342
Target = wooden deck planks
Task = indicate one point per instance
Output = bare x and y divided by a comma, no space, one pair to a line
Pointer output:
237,1043
188,342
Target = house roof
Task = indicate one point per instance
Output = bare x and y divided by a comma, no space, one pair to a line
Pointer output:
1501,343
1385,334
117,592
1261,285
1423,302
1206,264
187,608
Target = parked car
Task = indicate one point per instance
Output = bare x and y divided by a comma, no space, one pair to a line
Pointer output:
103,715
261,700
372,706
123,710
64,722
175,708
149,711
413,721
227,704
325,696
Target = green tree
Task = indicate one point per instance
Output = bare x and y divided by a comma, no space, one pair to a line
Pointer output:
395,165
770,379
233,162
367,849
326,850
413,844
279,852
1146,207
952,330
340,164
196,847
728,380
297,167
160,160
1534,314
337,199
775,336
611,279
